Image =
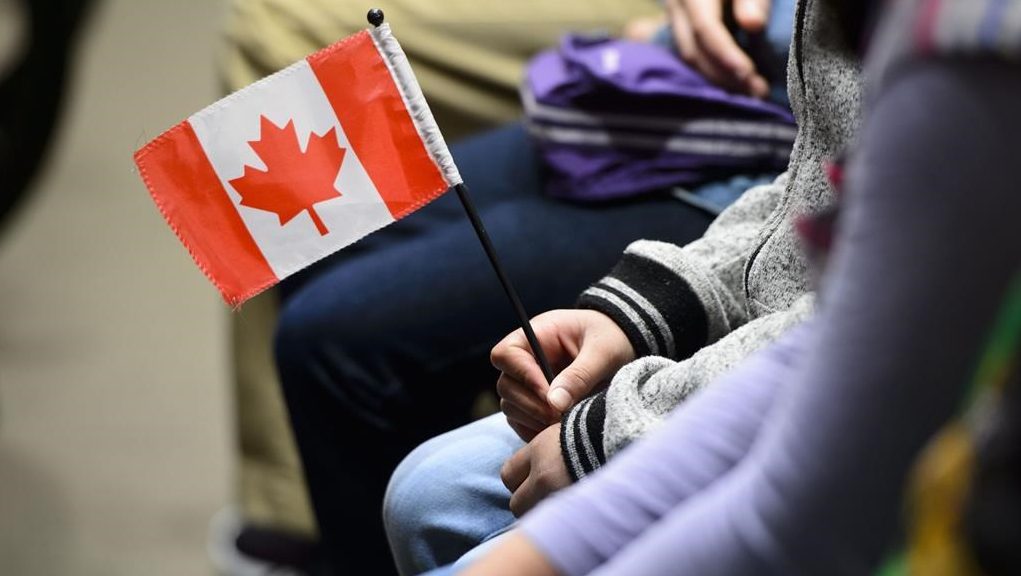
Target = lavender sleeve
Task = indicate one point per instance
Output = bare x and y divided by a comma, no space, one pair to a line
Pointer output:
646,481
795,462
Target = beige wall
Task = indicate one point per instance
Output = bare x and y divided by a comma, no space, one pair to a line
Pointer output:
113,406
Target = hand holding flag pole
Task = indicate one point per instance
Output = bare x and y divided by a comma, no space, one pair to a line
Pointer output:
376,17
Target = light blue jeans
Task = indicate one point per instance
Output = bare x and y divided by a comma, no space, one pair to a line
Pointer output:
446,497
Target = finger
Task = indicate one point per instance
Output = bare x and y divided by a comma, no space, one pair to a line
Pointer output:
680,26
752,15
535,404
642,29
590,369
526,434
515,470
516,391
525,498
515,415
758,86
513,356
724,77
520,499
724,60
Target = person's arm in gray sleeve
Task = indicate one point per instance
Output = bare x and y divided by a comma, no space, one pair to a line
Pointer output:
646,390
673,300
716,428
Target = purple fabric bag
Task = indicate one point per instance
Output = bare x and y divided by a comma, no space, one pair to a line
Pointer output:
614,119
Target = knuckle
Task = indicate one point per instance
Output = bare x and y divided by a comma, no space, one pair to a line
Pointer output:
504,351
579,379
547,481
503,386
543,481
581,375
507,409
498,355
515,505
700,27
707,37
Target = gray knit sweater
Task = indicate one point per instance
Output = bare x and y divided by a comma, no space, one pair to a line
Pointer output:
708,305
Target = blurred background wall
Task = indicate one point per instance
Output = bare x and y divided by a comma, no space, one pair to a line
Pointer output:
113,378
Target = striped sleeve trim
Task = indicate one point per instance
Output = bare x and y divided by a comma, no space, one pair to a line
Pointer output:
581,436
657,309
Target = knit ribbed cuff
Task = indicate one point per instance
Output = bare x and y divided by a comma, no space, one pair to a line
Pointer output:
656,308
581,436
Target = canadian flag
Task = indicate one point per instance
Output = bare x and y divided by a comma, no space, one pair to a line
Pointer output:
300,164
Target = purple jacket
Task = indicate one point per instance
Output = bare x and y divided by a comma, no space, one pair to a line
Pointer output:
614,118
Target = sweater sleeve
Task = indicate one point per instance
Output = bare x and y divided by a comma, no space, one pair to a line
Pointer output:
673,300
924,256
646,390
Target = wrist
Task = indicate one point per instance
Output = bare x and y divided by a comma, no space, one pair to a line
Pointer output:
653,305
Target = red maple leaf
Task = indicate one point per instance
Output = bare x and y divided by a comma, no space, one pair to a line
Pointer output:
293,180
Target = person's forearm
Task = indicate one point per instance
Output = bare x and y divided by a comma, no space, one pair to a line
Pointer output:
593,521
635,406
599,427
513,556
673,300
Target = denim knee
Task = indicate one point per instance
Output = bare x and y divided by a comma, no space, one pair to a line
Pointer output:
420,490
446,496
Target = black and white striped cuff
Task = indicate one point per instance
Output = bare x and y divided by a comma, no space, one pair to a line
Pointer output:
656,308
581,436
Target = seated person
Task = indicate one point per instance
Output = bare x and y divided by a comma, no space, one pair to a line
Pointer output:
708,305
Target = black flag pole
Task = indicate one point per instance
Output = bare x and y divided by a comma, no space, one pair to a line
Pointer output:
375,17
480,231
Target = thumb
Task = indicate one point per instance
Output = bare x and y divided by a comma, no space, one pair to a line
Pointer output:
580,377
752,15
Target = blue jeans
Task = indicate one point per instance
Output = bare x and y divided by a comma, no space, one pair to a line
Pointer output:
446,496
386,344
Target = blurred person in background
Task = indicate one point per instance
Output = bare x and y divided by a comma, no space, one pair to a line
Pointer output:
33,76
